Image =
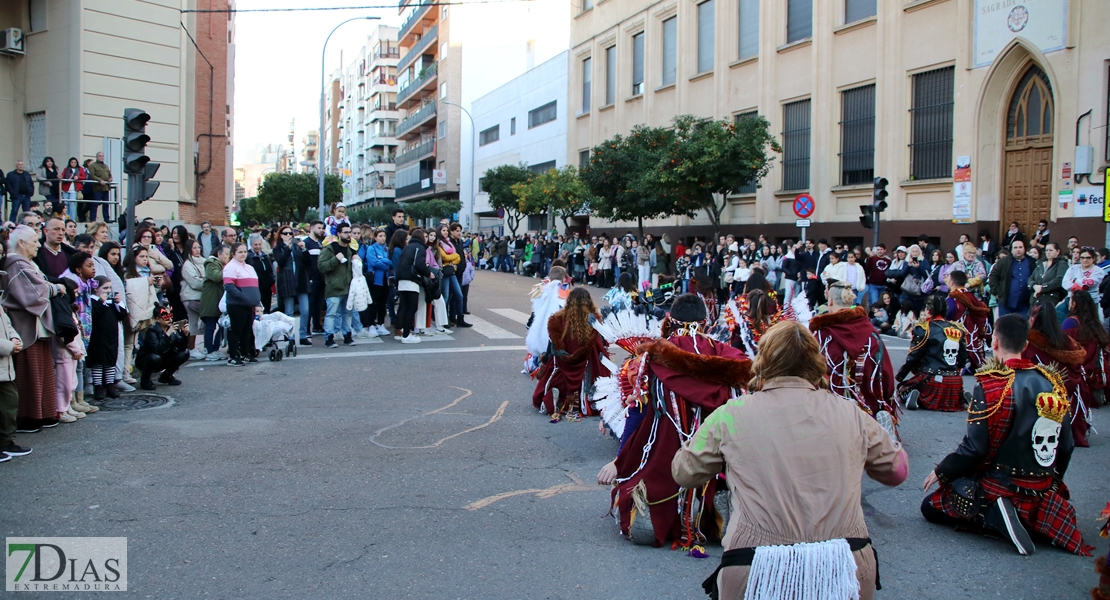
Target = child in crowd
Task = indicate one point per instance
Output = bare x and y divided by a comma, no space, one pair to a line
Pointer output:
82,271
904,321
332,222
108,314
743,271
66,353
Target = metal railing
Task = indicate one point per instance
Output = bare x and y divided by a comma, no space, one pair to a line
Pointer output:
384,106
113,201
416,118
422,77
421,10
419,47
416,153
413,189
391,52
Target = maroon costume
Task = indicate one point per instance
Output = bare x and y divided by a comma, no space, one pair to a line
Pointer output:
858,363
971,313
1070,361
1096,363
572,367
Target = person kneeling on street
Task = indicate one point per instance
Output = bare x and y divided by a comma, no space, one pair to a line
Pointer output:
162,349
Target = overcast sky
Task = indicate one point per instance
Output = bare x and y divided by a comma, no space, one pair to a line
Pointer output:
277,65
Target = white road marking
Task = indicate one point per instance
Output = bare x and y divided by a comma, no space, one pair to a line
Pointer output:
512,314
491,331
409,351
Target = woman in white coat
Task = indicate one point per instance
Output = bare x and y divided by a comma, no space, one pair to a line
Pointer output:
848,271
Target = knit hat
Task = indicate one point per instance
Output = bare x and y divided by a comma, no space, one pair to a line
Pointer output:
688,308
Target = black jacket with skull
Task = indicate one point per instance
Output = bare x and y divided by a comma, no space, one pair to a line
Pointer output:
938,347
1029,446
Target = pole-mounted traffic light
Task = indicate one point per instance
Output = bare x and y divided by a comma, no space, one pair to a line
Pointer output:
879,194
871,218
137,164
868,215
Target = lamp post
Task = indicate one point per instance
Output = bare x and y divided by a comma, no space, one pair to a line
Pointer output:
473,154
320,133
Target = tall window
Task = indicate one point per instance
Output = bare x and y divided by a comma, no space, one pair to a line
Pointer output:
587,5
857,135
512,126
38,15
490,135
670,48
750,187
541,115
705,36
749,28
931,115
610,75
799,20
795,145
583,158
638,63
542,168
587,84
854,10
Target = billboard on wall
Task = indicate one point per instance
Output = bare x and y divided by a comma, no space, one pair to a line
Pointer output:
997,22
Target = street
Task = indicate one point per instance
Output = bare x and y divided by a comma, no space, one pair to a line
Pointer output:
389,471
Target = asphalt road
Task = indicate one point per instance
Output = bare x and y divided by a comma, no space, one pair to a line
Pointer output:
387,471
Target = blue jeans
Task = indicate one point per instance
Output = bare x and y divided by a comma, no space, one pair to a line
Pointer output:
874,292
546,267
213,334
452,296
337,320
19,204
302,304
1005,310
507,263
70,199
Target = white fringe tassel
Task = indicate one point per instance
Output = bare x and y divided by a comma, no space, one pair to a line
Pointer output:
817,571
607,401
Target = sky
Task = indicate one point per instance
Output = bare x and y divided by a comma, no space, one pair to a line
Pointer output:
277,65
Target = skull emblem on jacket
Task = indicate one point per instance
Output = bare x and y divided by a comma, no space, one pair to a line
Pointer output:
951,351
1046,436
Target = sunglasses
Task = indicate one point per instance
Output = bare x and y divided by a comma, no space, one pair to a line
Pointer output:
287,233
1086,257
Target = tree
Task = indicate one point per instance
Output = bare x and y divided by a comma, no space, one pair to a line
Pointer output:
432,209
618,177
705,160
559,190
289,196
372,215
498,183
248,211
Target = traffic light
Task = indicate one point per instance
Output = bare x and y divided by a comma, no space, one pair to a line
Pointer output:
868,218
879,194
147,186
135,140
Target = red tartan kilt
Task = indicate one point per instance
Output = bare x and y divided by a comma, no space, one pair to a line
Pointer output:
945,396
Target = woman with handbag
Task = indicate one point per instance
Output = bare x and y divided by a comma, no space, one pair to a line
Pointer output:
192,286
450,260
141,291
915,274
412,268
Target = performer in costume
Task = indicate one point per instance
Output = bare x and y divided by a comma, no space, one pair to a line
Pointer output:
670,387
971,313
745,318
1083,326
1007,475
1048,345
567,373
548,298
859,366
938,352
702,287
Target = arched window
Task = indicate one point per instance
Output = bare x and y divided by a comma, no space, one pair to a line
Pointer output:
1029,120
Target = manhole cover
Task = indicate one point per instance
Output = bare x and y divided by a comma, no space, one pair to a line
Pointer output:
133,402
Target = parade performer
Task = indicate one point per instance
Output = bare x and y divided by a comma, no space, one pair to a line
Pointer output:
702,287
1049,345
1083,326
670,387
1007,475
858,364
795,455
746,317
566,375
971,313
548,298
1102,563
937,354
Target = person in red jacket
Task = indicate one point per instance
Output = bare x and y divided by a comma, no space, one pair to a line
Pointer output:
971,314
1049,345
566,376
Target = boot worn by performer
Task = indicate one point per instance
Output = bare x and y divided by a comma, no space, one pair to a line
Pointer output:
1007,475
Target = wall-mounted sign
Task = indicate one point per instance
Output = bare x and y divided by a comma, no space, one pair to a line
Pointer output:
1042,22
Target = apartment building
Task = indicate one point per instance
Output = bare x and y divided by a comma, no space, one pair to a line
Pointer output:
310,143
857,89
365,133
71,68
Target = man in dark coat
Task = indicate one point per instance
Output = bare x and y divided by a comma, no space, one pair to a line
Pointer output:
313,244
292,278
20,186
264,268
162,349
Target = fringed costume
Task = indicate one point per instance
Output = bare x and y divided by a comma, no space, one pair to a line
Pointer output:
736,326
566,375
937,354
971,314
1070,362
859,365
1011,463
548,298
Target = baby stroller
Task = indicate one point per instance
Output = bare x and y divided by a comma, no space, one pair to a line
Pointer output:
274,330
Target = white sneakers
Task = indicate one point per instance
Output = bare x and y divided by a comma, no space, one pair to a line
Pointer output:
382,330
364,333
66,418
444,330
197,355
411,339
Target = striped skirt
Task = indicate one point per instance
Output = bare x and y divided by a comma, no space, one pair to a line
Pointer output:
34,380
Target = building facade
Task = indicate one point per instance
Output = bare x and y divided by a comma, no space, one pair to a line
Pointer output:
213,162
523,121
83,62
858,89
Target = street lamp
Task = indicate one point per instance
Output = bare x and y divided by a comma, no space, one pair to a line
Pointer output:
320,133
473,154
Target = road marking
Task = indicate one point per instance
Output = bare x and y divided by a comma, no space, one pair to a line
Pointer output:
491,331
510,313
329,354
555,490
496,417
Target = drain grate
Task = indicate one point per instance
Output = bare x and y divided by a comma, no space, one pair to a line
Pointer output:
133,402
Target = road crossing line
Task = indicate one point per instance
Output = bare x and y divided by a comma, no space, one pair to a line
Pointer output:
511,314
490,330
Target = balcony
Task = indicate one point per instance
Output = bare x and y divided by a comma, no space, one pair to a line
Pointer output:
387,53
424,76
416,153
416,119
414,52
421,11
385,138
418,188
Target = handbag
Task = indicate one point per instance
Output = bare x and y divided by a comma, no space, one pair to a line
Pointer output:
729,276
911,285
432,288
468,273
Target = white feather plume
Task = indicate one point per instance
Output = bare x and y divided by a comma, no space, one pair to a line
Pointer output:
607,401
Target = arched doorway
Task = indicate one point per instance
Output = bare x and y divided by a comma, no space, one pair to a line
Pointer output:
1029,139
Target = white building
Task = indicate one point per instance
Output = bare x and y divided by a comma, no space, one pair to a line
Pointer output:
523,121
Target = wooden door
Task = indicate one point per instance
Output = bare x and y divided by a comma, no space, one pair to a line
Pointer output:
1029,139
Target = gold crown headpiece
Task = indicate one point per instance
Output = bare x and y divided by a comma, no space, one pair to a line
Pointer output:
953,333
1052,406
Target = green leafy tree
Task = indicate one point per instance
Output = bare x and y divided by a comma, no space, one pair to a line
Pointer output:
248,211
705,160
433,209
289,196
498,182
558,190
372,215
618,177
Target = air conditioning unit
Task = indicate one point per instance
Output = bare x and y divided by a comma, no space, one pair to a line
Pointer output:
11,41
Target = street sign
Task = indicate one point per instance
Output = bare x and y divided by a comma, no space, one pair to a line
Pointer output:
501,213
804,206
802,223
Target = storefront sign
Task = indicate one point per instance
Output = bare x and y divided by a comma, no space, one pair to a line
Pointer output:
1089,201
961,191
1042,22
